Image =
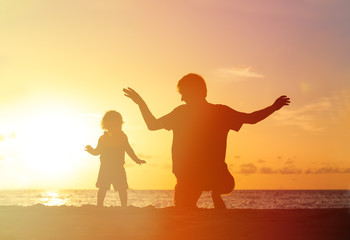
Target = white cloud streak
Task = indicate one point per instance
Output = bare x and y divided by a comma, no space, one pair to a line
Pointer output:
310,117
238,73
317,116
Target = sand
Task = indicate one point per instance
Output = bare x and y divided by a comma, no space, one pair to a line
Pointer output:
88,222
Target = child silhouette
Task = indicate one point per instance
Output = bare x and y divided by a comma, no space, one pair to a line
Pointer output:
111,147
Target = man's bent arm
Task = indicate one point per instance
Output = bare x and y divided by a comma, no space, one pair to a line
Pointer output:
151,122
259,115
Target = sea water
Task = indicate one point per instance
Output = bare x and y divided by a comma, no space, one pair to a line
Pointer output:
239,199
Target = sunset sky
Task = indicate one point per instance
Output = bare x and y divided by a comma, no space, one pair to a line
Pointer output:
63,64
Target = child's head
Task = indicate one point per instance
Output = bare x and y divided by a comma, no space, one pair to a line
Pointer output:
112,120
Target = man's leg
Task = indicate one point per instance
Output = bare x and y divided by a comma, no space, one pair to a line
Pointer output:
217,200
186,195
224,184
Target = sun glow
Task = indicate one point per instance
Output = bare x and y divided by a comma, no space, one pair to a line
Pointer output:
52,142
53,198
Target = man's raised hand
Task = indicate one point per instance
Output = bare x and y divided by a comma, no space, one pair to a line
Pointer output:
133,95
280,102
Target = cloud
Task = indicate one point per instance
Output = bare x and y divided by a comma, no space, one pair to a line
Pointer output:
289,162
290,170
319,115
248,168
241,73
261,161
327,170
267,170
310,117
295,170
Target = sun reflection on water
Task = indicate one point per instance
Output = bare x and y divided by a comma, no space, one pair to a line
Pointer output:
51,198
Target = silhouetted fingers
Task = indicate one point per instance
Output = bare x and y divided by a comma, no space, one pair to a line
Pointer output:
131,90
133,95
140,162
126,91
284,99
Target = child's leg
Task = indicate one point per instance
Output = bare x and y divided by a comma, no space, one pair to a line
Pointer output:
101,194
217,200
123,195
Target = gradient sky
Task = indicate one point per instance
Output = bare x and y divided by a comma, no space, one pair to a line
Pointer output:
64,63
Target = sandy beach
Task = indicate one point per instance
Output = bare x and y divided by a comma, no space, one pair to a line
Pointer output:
88,222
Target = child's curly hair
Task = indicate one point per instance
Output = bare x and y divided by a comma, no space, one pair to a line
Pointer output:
111,118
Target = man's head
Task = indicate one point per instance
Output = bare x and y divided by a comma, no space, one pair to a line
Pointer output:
192,88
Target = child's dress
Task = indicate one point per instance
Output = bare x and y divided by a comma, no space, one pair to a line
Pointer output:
112,158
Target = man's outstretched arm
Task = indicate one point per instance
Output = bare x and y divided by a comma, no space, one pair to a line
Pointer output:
259,115
151,122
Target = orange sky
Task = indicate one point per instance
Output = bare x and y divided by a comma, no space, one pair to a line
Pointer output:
64,63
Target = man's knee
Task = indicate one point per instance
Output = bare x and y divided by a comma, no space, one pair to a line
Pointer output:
226,187
186,195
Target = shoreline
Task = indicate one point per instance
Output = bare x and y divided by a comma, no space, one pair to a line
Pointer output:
89,222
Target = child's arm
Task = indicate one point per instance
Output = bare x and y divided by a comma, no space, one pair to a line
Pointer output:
94,151
132,154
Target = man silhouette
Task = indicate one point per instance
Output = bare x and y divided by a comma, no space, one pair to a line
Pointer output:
200,132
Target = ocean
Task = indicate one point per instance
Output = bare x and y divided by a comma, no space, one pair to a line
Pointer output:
239,199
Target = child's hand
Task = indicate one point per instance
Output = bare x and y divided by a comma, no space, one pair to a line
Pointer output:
139,161
89,149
